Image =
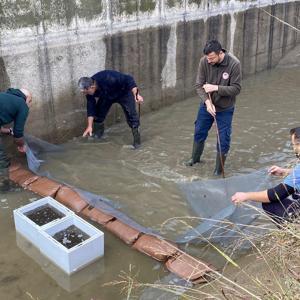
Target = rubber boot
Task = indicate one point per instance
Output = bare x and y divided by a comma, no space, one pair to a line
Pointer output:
4,185
198,148
136,137
4,181
98,130
220,164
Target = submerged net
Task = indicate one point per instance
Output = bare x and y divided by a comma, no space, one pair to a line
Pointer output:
219,220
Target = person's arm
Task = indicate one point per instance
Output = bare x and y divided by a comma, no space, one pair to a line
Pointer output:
19,124
275,194
200,83
235,82
137,95
8,131
89,127
91,112
261,196
20,143
201,80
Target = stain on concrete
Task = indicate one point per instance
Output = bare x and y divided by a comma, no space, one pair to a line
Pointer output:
4,78
9,279
169,74
271,35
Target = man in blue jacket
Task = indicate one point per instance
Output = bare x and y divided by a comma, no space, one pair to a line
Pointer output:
14,108
104,89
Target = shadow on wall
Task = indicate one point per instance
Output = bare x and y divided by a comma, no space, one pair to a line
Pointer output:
4,79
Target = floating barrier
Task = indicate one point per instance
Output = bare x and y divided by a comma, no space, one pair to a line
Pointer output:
123,231
96,215
44,187
158,249
189,268
71,199
22,177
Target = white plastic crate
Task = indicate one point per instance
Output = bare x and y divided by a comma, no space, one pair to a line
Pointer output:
28,228
75,258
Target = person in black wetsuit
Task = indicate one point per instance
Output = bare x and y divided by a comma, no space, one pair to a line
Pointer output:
104,89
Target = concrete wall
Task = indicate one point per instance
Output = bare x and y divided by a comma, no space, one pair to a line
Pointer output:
47,45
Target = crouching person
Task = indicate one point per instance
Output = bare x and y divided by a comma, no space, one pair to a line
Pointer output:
14,108
104,89
282,202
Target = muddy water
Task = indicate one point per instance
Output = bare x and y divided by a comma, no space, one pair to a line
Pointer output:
143,183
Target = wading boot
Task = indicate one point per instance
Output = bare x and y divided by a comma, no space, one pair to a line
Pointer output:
136,137
220,164
196,153
98,130
5,184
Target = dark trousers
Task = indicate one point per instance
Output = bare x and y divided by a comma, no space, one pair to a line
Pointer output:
204,122
127,103
4,160
287,209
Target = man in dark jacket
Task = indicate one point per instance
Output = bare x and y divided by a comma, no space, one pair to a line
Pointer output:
14,107
102,90
218,83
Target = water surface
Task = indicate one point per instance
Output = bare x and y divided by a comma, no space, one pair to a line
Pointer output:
143,183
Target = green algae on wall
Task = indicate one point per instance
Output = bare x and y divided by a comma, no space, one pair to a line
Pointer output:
173,3
89,9
198,2
147,5
16,14
131,7
26,13
128,6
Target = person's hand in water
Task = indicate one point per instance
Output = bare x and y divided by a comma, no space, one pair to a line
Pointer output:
22,149
88,132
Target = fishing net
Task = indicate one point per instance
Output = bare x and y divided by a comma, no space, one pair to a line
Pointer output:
37,147
218,220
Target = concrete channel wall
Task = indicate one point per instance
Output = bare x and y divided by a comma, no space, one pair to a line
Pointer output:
47,45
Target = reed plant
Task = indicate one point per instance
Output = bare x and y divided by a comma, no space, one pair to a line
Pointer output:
272,270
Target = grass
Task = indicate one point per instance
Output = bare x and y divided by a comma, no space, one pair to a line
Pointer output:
272,270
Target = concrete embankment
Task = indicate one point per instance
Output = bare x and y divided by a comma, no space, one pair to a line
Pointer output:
48,45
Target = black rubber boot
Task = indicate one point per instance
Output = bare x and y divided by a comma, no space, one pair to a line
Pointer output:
5,184
220,165
198,148
98,130
136,137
